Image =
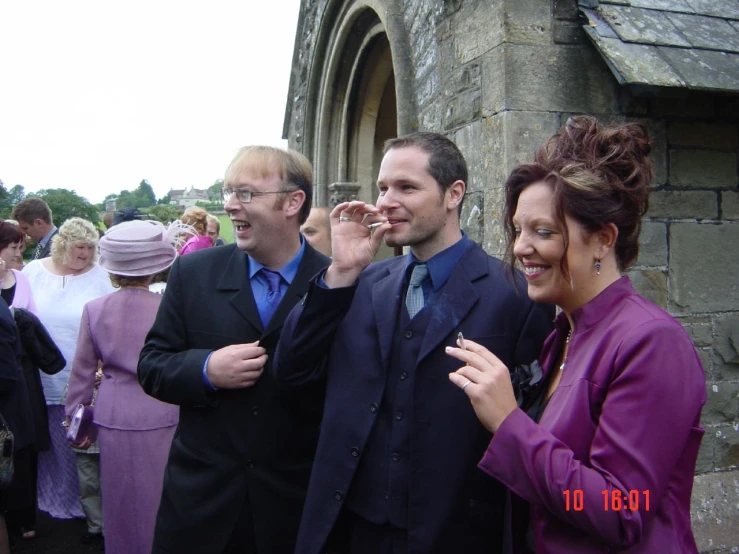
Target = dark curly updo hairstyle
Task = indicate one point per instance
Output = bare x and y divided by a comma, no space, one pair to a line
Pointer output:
600,174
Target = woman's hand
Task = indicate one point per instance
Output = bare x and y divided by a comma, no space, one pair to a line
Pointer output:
486,381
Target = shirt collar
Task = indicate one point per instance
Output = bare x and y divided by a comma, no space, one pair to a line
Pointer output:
287,271
442,264
47,236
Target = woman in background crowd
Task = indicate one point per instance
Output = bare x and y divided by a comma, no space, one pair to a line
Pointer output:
62,285
15,288
135,430
198,218
598,449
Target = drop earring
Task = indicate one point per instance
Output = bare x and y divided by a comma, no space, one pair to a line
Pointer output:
597,266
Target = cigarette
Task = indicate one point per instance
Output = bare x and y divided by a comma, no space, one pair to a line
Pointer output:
460,340
374,225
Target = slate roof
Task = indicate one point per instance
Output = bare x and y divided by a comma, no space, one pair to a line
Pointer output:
690,44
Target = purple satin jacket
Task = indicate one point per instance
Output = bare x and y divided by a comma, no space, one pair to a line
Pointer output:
609,467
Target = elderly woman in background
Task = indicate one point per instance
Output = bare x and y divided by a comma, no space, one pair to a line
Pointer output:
135,430
604,446
198,219
62,285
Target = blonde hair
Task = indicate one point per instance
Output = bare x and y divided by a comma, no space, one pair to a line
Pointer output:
73,232
197,217
293,168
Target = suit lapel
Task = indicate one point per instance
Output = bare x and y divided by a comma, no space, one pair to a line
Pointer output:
455,300
312,263
386,301
236,278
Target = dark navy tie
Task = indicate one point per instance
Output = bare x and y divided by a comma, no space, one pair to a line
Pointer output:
274,280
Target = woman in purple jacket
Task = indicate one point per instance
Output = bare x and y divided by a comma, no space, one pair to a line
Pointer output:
135,430
604,445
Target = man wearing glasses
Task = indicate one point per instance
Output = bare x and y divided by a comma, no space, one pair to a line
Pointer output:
239,465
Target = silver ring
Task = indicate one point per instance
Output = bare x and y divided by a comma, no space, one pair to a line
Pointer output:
344,218
467,383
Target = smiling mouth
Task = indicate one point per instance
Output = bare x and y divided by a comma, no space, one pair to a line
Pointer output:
240,225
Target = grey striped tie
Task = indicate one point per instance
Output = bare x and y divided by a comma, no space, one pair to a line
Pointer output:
414,296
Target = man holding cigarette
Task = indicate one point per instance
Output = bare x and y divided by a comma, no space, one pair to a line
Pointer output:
396,466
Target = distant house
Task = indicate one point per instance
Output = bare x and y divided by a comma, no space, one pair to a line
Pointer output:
185,198
110,204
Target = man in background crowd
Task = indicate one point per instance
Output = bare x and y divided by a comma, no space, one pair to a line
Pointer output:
317,230
34,218
214,230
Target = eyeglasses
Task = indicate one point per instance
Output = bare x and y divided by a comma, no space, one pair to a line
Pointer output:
245,196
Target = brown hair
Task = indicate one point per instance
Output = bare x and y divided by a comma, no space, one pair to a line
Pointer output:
9,234
446,163
120,281
197,217
600,174
31,209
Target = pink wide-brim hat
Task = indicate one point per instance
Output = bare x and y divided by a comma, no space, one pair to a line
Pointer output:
136,249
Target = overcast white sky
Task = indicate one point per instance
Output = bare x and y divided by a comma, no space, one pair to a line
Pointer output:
97,95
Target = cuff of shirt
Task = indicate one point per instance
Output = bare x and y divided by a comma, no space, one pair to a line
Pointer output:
206,381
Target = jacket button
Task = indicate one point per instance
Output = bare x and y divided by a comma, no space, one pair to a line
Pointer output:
254,411
373,408
396,456
338,495
250,464
355,451
408,334
403,375
398,415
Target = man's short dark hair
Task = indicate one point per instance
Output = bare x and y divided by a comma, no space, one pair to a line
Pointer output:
446,162
31,209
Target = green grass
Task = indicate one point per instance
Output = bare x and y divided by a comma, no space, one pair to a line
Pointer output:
227,229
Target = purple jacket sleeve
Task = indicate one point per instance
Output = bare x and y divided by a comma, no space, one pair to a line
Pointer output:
84,366
638,441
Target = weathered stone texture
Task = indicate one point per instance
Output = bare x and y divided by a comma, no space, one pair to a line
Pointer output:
702,135
653,245
666,204
463,108
703,267
527,23
722,405
714,510
704,464
651,284
726,346
703,169
726,449
730,205
479,28
472,216
556,78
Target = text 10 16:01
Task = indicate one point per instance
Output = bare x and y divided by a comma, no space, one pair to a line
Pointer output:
613,500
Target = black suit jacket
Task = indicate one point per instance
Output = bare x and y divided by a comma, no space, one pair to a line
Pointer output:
344,336
250,447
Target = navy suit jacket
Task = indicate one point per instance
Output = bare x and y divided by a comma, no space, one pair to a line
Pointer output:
344,336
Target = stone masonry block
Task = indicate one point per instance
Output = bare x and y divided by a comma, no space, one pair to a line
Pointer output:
703,169
469,139
705,357
463,108
702,135
652,285
652,245
703,261
715,510
726,345
479,28
730,205
722,405
557,78
704,464
472,217
526,22
700,333
726,452
669,204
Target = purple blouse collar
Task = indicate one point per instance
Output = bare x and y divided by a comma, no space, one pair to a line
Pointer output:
599,307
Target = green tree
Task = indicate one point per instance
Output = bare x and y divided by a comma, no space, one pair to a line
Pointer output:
164,200
145,196
126,199
215,193
67,203
9,198
163,213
